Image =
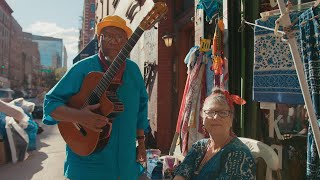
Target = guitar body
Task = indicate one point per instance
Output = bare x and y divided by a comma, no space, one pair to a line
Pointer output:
92,141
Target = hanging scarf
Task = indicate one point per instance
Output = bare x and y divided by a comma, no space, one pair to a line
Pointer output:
217,53
105,65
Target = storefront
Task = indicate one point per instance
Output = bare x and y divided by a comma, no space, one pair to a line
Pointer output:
260,69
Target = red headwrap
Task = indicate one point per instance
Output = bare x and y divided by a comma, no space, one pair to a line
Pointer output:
231,98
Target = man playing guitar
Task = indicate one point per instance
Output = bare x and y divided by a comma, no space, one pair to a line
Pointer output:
118,158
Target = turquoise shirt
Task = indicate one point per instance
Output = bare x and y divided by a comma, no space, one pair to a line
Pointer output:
118,158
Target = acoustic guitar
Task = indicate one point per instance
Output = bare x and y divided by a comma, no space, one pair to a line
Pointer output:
80,139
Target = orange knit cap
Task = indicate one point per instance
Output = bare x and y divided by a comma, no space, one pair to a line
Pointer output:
115,21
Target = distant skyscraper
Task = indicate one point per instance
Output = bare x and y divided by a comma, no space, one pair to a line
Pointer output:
65,57
51,51
88,23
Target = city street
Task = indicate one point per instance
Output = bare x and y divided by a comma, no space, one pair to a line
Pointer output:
44,163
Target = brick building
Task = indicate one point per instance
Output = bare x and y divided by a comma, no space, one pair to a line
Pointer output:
31,63
5,29
88,23
16,76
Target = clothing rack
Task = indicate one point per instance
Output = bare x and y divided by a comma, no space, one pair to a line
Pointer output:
286,23
263,27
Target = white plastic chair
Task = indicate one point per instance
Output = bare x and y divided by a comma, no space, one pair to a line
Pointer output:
262,150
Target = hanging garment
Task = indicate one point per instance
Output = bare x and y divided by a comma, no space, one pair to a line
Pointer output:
274,75
191,98
217,52
310,41
194,117
189,59
209,73
210,7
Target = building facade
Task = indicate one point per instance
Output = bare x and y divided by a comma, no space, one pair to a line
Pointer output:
51,51
31,63
5,29
16,67
88,23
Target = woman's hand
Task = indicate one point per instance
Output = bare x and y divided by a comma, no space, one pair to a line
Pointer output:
179,178
141,152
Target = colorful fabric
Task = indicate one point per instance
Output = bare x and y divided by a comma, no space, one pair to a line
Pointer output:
310,41
118,157
234,99
274,75
191,95
209,74
210,7
233,161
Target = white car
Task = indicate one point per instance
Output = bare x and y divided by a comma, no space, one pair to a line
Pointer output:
6,94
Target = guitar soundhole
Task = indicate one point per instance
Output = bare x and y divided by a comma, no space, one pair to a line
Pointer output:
104,137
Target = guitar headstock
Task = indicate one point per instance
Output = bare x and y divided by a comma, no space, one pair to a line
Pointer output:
157,12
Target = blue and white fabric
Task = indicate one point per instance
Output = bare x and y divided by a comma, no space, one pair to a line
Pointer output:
274,75
310,40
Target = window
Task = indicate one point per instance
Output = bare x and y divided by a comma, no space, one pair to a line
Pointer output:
92,23
92,8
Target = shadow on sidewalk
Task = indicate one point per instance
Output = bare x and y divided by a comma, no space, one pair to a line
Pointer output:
24,170
36,165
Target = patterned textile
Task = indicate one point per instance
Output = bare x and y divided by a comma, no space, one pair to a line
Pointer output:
233,161
209,74
191,98
210,7
275,78
3,132
310,40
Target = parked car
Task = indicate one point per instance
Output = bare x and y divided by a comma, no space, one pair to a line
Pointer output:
6,94
20,94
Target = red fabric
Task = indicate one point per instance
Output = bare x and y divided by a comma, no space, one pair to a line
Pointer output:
182,106
203,97
234,99
118,77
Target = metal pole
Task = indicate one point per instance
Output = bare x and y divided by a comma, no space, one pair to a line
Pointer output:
286,22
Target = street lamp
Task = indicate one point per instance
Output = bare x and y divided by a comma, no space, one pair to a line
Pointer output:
168,39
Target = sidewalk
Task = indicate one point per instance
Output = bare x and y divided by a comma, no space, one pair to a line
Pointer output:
45,163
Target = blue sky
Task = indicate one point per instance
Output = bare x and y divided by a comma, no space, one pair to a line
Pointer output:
55,18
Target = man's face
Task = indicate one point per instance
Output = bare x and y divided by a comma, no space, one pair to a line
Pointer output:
112,40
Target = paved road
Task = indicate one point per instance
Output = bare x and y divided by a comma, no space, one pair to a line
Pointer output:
45,163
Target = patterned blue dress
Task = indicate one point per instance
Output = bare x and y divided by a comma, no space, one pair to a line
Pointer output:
310,41
118,158
233,161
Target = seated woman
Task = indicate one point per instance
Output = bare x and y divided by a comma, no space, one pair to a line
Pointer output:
223,155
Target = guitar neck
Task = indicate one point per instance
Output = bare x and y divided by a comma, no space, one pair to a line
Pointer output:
116,65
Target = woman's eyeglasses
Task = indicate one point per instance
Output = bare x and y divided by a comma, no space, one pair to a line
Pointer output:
117,38
222,114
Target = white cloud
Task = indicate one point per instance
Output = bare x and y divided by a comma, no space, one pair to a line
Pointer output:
70,36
